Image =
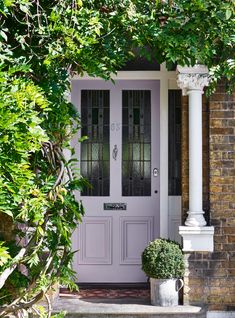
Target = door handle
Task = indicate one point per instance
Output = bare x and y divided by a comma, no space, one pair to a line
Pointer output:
115,152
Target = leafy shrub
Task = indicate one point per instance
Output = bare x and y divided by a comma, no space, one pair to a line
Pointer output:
163,259
42,45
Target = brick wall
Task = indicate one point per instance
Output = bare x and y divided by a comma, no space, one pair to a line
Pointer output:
210,277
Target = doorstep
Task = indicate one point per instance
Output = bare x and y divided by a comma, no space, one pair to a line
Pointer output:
122,308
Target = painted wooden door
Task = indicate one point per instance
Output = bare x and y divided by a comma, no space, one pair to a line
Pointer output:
121,161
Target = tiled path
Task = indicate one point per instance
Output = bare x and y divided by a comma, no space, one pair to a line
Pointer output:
106,293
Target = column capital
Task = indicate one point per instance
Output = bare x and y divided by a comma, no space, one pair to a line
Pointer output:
192,78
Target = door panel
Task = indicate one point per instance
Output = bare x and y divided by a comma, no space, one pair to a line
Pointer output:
95,248
122,123
135,233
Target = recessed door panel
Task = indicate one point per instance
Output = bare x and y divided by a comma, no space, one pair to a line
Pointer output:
95,248
135,234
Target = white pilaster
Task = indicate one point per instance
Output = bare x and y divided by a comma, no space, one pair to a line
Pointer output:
164,217
192,81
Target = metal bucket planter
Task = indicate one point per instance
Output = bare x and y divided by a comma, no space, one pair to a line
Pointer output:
165,292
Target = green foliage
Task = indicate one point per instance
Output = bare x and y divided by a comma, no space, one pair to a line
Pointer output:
42,44
187,32
43,313
163,259
4,254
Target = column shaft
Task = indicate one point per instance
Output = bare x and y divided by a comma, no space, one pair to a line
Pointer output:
195,151
195,213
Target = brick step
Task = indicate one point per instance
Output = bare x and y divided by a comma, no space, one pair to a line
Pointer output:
122,308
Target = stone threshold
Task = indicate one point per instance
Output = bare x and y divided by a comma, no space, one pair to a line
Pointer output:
122,308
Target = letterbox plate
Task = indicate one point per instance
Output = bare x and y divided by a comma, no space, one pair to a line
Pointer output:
115,206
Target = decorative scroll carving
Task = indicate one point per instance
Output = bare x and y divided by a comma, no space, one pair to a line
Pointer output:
193,78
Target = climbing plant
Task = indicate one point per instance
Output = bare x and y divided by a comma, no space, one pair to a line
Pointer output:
42,44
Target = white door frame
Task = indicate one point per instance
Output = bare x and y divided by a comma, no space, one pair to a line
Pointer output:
167,81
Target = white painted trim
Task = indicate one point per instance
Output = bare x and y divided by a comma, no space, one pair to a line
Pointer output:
164,157
220,314
163,67
134,75
174,215
197,238
167,81
196,69
172,84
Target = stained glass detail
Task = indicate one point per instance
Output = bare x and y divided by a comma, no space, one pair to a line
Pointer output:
174,142
95,108
136,143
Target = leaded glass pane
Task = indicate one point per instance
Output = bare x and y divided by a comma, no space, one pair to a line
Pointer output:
95,151
136,151
147,152
147,169
106,116
105,152
95,112
136,143
174,142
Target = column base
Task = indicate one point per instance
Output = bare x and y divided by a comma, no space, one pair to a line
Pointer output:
197,239
195,219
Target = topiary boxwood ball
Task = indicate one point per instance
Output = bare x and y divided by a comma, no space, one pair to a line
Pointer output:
163,259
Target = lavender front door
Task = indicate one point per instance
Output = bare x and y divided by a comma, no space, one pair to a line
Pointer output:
121,161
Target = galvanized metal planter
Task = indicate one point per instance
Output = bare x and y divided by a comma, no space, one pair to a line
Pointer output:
165,292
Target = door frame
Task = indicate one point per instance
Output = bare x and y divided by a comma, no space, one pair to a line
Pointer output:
167,81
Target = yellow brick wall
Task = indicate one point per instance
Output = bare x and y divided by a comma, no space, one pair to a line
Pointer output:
210,277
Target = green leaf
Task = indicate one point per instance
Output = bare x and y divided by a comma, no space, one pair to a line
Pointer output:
9,3
79,3
24,8
40,230
83,138
3,35
4,254
228,14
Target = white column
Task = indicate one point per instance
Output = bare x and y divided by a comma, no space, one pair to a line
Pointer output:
192,81
196,236
195,213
